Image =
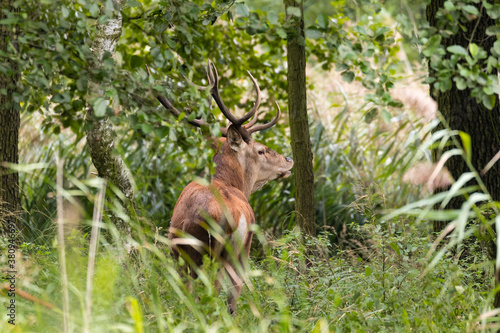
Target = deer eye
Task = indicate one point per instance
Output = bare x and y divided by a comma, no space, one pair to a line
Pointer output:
261,152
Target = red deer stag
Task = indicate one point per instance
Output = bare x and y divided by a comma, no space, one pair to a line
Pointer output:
216,219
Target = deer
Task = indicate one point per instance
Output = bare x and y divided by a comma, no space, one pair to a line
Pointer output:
216,219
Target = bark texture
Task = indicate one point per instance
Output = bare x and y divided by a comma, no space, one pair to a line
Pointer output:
464,113
299,123
100,134
9,128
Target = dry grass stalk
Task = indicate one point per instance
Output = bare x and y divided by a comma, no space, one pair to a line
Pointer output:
491,163
94,238
60,236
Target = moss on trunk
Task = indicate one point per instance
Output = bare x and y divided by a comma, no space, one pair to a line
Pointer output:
100,134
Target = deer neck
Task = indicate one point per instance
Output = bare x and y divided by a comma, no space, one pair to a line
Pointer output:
230,172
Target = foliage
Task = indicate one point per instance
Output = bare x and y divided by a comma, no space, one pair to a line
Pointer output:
374,266
473,66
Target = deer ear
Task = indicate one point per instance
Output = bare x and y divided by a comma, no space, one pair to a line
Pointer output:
234,138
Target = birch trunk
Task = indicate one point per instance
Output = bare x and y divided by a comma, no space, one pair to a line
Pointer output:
100,134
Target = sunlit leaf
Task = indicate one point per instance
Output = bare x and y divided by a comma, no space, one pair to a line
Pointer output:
457,49
466,144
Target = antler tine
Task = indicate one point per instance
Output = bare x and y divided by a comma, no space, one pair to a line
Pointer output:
268,125
214,78
252,122
166,103
256,105
201,88
216,95
210,74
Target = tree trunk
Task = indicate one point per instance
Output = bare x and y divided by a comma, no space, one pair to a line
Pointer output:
299,123
100,135
9,130
464,113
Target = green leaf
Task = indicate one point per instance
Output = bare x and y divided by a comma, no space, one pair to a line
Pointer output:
337,300
347,76
494,11
192,116
295,11
302,41
471,10
395,247
457,185
272,17
313,33
448,5
100,106
135,311
493,30
94,10
489,101
136,61
496,48
457,49
146,128
161,132
460,82
381,31
466,143
109,7
155,51
59,98
474,49
368,271
432,45
134,3
386,115
413,273
322,21
102,19
341,67
370,115
281,32
64,11
8,21
60,48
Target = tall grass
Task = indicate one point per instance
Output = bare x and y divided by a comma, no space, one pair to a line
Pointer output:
146,293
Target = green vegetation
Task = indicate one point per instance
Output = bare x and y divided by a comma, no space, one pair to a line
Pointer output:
402,244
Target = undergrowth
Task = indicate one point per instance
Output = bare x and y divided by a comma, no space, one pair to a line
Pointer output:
303,284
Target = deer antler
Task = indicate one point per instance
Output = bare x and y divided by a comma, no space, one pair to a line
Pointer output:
166,103
213,81
214,78
252,129
245,130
